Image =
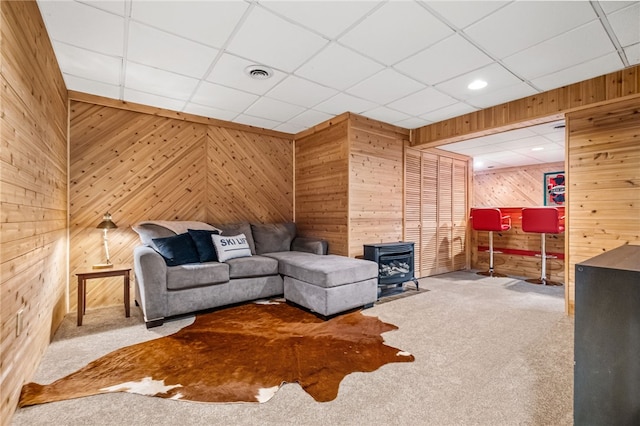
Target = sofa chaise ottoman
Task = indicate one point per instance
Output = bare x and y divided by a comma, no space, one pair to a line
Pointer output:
327,284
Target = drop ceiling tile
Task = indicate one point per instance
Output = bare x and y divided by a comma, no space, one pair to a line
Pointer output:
593,68
216,96
211,112
523,24
90,28
267,38
338,67
548,128
612,6
633,54
569,49
310,118
385,86
626,24
158,82
256,121
87,64
422,102
386,115
532,146
464,13
113,6
413,123
289,128
438,63
162,50
495,75
272,109
92,87
135,96
208,22
298,91
230,71
499,96
395,31
450,111
330,18
548,156
343,103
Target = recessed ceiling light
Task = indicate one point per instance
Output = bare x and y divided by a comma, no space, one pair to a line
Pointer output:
537,148
258,72
477,85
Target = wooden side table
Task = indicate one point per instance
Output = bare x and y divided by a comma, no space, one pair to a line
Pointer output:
116,271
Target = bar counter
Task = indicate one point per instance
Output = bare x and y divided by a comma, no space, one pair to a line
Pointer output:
518,249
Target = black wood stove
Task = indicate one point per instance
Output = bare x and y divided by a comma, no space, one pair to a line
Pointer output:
395,265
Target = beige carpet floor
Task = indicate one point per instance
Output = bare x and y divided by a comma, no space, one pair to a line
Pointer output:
489,351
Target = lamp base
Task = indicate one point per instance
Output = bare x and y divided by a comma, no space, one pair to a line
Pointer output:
103,266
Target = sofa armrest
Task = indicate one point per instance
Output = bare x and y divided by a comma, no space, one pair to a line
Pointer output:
310,245
151,282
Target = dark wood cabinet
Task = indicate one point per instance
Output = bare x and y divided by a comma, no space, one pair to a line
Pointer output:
607,339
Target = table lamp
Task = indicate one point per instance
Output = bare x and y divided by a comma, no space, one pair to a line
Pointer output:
105,225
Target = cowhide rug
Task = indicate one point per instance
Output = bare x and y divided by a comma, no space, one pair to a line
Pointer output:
242,353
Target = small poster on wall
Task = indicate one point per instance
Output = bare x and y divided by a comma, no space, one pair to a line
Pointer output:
554,189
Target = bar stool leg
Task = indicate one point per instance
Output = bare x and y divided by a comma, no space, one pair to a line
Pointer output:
543,276
491,272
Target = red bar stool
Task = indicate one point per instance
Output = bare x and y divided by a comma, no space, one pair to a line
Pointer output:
542,220
490,220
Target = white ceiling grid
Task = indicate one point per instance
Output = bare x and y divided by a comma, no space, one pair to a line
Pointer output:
406,63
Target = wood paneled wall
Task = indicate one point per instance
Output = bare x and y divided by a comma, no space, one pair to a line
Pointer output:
33,177
512,186
376,152
603,193
541,108
349,182
140,164
322,183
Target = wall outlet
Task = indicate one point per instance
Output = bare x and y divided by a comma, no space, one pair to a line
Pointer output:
19,322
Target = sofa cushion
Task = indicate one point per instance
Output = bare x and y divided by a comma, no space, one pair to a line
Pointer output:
254,266
148,231
324,271
231,246
177,250
196,275
273,237
204,244
239,228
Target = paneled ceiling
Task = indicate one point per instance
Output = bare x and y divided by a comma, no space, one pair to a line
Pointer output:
406,63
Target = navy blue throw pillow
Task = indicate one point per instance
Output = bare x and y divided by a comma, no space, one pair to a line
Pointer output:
177,250
204,244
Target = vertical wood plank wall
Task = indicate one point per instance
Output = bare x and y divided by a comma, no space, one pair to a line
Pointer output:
33,179
349,182
142,166
375,182
515,187
604,182
322,183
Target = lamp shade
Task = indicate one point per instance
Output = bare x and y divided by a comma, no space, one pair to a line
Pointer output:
107,223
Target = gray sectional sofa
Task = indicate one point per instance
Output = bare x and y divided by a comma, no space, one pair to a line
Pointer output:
280,264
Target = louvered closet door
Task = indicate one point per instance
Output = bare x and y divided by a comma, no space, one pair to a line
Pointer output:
436,211
459,212
429,217
412,203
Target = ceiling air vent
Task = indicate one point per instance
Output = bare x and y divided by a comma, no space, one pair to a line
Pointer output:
258,72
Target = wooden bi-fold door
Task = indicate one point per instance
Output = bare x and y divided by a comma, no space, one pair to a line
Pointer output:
435,210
